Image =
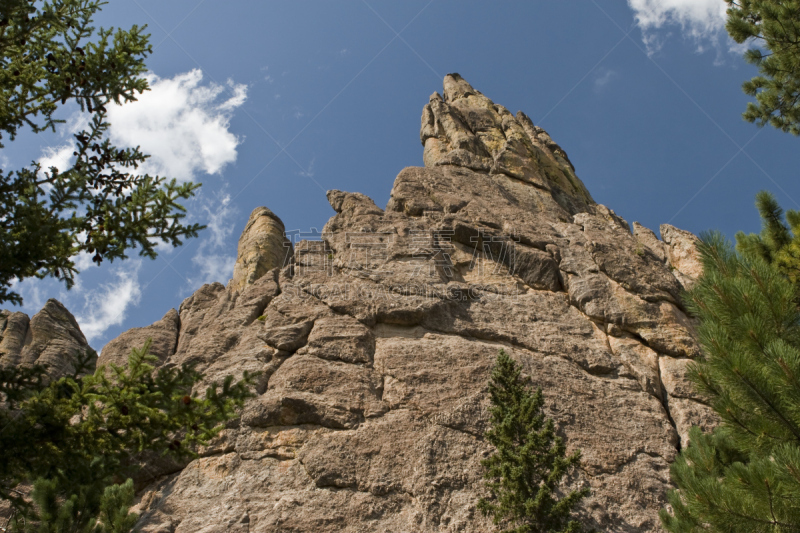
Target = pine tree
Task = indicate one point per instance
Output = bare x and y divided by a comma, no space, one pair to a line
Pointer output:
76,439
779,240
50,56
524,473
745,475
773,26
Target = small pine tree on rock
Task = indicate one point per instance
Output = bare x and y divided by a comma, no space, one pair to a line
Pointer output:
530,461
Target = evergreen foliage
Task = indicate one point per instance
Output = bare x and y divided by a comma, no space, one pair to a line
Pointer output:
745,475
530,462
774,27
779,240
76,439
49,56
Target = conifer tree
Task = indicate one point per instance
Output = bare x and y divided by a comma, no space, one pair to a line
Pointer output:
524,473
779,240
745,475
50,56
76,439
773,27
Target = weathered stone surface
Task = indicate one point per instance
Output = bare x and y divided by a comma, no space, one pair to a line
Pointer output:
49,338
262,247
641,361
341,338
682,253
375,345
162,334
687,413
466,129
649,242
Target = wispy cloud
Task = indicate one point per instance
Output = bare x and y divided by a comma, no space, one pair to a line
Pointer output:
603,77
701,21
182,124
267,77
213,260
107,305
59,157
309,172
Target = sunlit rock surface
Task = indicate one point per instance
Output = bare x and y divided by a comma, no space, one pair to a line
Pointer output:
376,343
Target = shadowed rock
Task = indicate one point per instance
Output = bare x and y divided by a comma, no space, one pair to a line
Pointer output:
163,335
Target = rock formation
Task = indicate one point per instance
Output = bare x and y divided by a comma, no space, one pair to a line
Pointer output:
375,345
49,338
262,247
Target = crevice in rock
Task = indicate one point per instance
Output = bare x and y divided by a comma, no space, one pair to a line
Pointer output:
665,404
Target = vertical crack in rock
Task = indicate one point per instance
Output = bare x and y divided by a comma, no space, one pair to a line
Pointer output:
665,402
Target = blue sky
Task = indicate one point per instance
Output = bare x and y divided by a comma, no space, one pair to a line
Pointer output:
273,103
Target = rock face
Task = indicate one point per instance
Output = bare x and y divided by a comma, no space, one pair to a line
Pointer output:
47,339
376,344
262,247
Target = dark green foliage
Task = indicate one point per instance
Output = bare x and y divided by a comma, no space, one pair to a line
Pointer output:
66,515
779,240
745,476
530,462
775,27
77,438
48,57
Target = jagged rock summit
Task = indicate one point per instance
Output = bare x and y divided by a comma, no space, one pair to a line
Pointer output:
376,344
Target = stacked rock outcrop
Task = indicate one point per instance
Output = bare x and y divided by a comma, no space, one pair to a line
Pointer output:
50,338
376,343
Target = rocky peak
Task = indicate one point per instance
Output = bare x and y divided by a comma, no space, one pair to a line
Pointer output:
466,129
375,345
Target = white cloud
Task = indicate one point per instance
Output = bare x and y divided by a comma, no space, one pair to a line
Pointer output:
181,124
56,156
77,122
106,305
220,225
309,173
702,21
210,260
602,78
83,260
213,267
33,292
